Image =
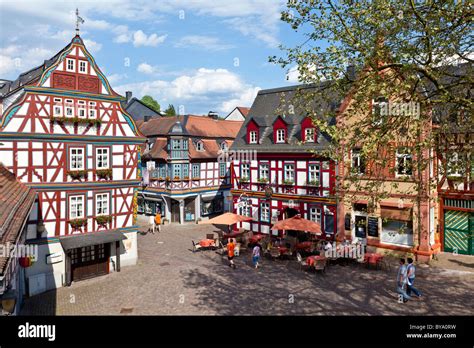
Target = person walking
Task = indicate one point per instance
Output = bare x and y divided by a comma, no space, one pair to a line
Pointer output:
158,221
402,281
230,253
151,224
411,279
256,255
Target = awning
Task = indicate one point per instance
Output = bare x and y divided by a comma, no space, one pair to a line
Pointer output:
395,213
297,223
226,219
88,239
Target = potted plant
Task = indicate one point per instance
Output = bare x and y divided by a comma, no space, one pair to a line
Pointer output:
103,220
104,173
167,178
244,179
288,182
176,178
262,180
186,178
77,223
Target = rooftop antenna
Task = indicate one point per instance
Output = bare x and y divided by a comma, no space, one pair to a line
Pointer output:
79,20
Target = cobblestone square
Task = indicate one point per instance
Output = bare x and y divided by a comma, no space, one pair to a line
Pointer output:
170,279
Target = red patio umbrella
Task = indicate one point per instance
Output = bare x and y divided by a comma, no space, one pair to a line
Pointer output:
297,223
228,219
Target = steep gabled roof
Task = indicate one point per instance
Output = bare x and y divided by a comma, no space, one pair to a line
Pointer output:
16,200
138,110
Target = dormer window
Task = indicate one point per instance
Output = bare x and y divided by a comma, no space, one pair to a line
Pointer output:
199,146
280,135
253,137
309,135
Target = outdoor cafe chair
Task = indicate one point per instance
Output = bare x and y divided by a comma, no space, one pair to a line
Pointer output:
302,262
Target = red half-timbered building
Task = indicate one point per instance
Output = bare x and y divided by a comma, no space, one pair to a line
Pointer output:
63,132
277,172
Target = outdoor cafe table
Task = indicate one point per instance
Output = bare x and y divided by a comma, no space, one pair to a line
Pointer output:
372,258
283,250
311,260
257,238
207,243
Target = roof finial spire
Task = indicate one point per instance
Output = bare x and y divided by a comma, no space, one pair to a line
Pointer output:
79,20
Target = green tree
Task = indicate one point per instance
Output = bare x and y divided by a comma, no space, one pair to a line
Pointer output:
416,51
151,103
170,111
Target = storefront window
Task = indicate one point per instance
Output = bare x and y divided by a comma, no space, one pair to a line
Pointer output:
397,231
212,207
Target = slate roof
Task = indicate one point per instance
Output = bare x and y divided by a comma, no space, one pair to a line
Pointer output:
138,110
273,103
16,200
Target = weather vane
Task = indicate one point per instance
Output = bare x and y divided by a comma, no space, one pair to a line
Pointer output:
79,20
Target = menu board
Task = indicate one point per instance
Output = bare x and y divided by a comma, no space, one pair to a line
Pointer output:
373,226
347,222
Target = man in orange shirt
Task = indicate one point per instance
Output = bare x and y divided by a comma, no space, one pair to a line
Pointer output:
158,221
230,253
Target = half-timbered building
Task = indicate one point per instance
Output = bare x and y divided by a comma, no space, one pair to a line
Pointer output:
278,172
63,132
186,177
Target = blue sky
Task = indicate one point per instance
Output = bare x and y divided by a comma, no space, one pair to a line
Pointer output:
199,55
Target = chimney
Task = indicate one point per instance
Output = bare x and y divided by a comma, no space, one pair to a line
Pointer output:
128,96
213,114
146,118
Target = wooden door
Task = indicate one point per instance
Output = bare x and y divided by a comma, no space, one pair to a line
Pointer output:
89,262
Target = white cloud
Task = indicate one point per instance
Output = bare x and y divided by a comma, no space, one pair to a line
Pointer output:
207,42
92,46
203,90
146,68
141,39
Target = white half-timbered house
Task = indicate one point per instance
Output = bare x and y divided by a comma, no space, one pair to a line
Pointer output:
63,132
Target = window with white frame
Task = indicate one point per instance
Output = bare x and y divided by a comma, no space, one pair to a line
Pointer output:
358,163
289,173
58,107
379,105
264,171
81,109
70,64
92,110
76,158
102,158
69,109
196,170
82,66
245,171
315,214
313,174
76,207
404,162
454,165
199,146
253,137
102,204
280,135
265,212
309,135
246,210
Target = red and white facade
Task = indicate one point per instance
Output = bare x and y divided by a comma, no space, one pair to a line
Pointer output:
65,134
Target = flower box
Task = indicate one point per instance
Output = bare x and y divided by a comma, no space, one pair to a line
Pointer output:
288,182
77,223
103,220
262,180
196,178
77,174
244,179
104,173
75,120
313,183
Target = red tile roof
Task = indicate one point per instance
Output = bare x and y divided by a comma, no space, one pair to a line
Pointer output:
16,200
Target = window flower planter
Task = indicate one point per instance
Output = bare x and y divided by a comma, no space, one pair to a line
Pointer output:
314,183
244,179
77,174
77,223
75,120
103,220
186,178
104,173
167,178
196,178
288,182
262,180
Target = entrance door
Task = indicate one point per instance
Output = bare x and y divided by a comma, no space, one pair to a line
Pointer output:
90,261
174,211
458,235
